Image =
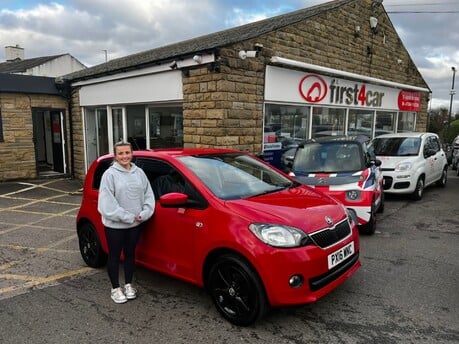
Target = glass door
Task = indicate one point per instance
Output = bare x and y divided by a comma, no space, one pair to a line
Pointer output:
96,131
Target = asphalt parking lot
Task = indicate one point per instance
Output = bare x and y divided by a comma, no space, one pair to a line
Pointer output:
38,244
405,292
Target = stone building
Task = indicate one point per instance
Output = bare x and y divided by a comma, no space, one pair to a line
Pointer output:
335,68
34,118
33,135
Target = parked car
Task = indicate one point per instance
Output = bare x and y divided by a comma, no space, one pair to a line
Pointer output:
410,162
342,167
249,234
454,153
455,164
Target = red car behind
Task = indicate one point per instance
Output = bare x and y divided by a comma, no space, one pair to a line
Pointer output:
226,221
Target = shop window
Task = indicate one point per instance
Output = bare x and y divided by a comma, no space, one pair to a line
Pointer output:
1,127
328,121
117,123
136,126
406,121
360,122
166,127
385,123
287,124
96,130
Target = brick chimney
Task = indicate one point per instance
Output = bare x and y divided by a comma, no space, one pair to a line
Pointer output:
13,53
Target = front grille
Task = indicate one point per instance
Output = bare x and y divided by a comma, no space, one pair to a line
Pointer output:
330,236
387,183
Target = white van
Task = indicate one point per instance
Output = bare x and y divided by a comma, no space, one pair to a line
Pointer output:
410,162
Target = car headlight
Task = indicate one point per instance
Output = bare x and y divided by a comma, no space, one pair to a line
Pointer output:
403,166
279,235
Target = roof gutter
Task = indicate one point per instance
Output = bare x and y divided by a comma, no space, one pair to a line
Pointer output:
193,61
299,64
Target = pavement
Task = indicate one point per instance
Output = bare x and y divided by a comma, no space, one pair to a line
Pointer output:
37,230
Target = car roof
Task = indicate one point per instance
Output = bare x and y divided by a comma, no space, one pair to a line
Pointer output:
405,134
175,152
351,138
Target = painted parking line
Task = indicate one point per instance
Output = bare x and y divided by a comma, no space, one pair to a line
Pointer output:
7,266
39,249
39,186
36,281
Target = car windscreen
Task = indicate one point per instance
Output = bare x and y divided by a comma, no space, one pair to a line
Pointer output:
396,146
235,176
329,157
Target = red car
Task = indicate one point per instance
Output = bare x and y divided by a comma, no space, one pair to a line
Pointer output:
229,222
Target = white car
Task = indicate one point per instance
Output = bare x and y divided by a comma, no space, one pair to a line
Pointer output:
410,162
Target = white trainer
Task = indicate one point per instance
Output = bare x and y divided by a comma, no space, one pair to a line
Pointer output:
118,296
130,291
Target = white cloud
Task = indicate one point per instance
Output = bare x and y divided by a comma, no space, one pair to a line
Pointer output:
84,28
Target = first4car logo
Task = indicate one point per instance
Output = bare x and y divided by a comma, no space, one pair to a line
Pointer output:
314,89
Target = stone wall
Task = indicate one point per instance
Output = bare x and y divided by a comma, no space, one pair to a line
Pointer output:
79,171
17,151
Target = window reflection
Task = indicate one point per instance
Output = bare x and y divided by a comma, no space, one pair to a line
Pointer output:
328,121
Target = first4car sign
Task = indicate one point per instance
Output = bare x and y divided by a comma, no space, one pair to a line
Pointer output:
290,85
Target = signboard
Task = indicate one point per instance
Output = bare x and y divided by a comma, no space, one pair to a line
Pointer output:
311,88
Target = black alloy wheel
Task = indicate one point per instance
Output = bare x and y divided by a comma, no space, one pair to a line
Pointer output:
90,247
236,290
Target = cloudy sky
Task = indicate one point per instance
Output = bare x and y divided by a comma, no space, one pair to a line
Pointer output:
90,29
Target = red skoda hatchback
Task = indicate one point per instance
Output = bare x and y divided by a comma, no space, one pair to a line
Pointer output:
228,222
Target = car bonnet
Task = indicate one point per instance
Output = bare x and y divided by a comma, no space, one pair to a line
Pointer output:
390,162
300,207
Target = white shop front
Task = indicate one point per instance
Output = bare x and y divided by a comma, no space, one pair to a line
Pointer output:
322,102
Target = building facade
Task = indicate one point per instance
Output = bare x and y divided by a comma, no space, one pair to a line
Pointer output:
34,118
260,87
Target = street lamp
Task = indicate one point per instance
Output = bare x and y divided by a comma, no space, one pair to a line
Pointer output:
452,93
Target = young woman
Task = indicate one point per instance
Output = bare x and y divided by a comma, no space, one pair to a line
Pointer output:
126,200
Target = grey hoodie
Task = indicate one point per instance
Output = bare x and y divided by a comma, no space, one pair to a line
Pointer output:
123,194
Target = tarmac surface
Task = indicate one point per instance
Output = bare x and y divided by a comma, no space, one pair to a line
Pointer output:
29,259
405,291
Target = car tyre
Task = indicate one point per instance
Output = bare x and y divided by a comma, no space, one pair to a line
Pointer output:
370,227
419,190
236,290
381,205
90,247
444,178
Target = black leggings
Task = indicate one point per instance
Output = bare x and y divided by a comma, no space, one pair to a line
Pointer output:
121,240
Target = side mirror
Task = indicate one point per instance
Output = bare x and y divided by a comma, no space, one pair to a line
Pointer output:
377,162
173,200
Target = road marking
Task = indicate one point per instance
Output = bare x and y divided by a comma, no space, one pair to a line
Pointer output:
7,266
39,249
57,243
33,281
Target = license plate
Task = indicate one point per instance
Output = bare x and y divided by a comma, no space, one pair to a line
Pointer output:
338,256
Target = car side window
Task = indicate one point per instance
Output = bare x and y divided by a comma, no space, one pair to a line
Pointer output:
435,144
164,178
103,166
